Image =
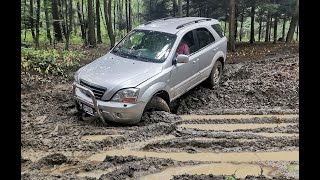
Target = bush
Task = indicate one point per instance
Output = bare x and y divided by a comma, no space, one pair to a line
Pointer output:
50,61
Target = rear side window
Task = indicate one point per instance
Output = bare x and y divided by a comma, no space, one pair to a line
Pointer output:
218,29
204,37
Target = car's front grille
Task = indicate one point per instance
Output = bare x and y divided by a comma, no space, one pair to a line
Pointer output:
98,92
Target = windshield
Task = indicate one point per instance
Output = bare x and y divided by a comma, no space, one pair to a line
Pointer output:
145,45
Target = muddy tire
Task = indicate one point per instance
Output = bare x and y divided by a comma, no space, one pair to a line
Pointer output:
216,74
157,104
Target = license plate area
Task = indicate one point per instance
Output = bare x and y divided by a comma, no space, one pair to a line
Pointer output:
87,109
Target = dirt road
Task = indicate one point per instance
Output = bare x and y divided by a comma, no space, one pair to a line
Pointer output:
247,128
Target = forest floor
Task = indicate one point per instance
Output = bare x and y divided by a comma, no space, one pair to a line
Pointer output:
247,128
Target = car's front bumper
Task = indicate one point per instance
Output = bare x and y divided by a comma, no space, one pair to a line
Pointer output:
128,113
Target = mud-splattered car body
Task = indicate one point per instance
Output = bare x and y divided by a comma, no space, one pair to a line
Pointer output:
120,85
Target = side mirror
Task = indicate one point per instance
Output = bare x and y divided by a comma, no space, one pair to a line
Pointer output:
181,58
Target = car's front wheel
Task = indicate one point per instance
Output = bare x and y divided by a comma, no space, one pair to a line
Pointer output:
157,104
216,74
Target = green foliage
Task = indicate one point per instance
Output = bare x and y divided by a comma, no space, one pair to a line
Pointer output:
230,177
49,61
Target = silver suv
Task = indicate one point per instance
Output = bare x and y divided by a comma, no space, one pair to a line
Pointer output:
151,66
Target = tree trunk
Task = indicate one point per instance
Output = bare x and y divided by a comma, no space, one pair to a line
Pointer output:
98,22
284,29
127,16
107,12
188,7
297,37
241,26
270,29
32,21
83,36
231,25
260,28
236,24
253,8
114,15
91,30
75,27
266,39
275,28
25,19
180,8
130,15
138,10
62,17
38,24
70,17
66,20
293,23
174,7
56,21
47,21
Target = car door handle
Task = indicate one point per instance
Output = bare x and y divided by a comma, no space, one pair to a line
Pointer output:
215,49
195,61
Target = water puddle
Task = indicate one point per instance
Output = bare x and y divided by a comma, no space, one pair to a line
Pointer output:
232,127
217,139
241,170
97,137
205,156
140,144
240,116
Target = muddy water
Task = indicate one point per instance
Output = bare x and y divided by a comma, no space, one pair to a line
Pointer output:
140,144
241,170
222,157
232,127
240,116
211,139
97,137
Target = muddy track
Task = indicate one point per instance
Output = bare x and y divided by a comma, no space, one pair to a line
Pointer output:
248,124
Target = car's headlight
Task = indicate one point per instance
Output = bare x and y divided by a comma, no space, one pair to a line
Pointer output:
129,95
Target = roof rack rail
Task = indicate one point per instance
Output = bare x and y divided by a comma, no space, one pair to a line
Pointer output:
149,22
195,21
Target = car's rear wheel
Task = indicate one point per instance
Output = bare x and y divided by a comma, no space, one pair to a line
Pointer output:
157,104
216,74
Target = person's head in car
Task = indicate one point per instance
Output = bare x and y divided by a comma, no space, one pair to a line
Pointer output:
183,47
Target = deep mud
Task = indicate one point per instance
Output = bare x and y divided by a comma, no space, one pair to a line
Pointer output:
56,143
266,86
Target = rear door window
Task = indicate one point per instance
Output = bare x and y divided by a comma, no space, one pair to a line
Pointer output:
204,37
218,29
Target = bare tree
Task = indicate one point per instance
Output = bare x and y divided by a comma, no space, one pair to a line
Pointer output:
82,28
32,20
267,28
56,21
188,7
98,22
38,24
260,28
284,29
241,26
293,23
180,8
47,21
232,46
253,8
91,27
130,15
107,12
